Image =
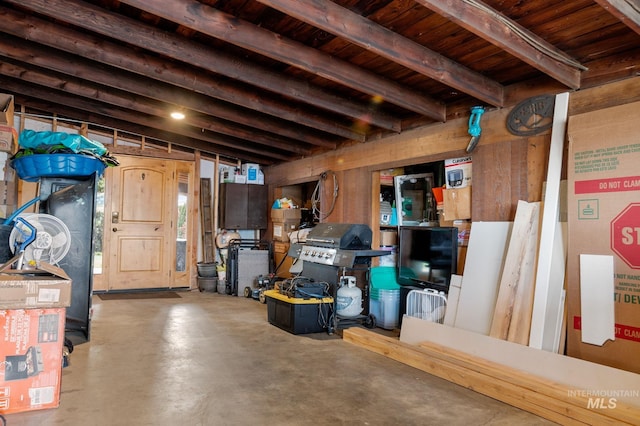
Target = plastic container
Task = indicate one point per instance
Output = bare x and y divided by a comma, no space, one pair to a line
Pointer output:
31,168
385,306
209,284
222,286
207,269
384,300
390,259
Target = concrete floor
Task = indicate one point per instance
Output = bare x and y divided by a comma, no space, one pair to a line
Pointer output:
212,359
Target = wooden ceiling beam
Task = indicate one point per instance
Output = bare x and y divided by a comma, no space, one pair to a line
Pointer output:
214,23
98,120
143,105
124,110
97,20
171,95
359,30
627,11
478,18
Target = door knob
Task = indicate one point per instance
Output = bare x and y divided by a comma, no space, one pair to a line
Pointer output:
115,229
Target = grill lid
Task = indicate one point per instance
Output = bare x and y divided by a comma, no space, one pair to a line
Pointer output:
344,236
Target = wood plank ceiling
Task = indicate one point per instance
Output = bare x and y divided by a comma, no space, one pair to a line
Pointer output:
270,81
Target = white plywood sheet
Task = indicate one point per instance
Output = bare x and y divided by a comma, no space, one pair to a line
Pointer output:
597,298
482,271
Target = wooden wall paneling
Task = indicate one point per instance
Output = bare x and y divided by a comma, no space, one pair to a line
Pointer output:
356,200
374,220
601,97
499,180
537,158
416,146
449,140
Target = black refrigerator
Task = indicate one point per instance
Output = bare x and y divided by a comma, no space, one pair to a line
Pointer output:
73,201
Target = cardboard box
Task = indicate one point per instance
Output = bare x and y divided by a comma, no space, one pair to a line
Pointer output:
253,173
48,287
388,237
387,175
457,203
457,172
31,352
6,109
281,229
604,219
282,215
283,262
7,137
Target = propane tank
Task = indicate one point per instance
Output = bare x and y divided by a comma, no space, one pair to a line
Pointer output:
349,300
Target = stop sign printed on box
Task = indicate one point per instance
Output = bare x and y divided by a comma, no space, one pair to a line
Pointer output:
625,235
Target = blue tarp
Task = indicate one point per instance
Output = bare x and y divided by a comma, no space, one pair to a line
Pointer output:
76,143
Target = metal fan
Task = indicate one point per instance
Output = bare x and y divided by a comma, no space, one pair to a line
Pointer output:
52,242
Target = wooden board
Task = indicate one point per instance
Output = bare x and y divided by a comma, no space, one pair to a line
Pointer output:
207,221
512,315
452,300
549,281
485,256
537,394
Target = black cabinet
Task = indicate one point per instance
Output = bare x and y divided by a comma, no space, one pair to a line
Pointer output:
243,206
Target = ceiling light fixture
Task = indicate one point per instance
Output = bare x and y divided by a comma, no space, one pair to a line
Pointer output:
177,115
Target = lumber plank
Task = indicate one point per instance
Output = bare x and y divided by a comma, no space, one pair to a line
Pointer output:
549,282
520,389
512,314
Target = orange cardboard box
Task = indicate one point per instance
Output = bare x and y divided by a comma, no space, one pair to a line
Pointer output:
31,355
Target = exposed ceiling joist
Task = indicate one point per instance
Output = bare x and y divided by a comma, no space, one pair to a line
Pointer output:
145,37
627,11
272,81
482,20
127,82
367,34
228,145
215,23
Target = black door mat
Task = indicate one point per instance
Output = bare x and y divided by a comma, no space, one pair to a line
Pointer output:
139,295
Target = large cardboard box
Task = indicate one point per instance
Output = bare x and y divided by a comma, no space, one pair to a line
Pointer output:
282,215
282,261
457,203
6,109
604,219
281,230
7,132
7,136
31,354
48,287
